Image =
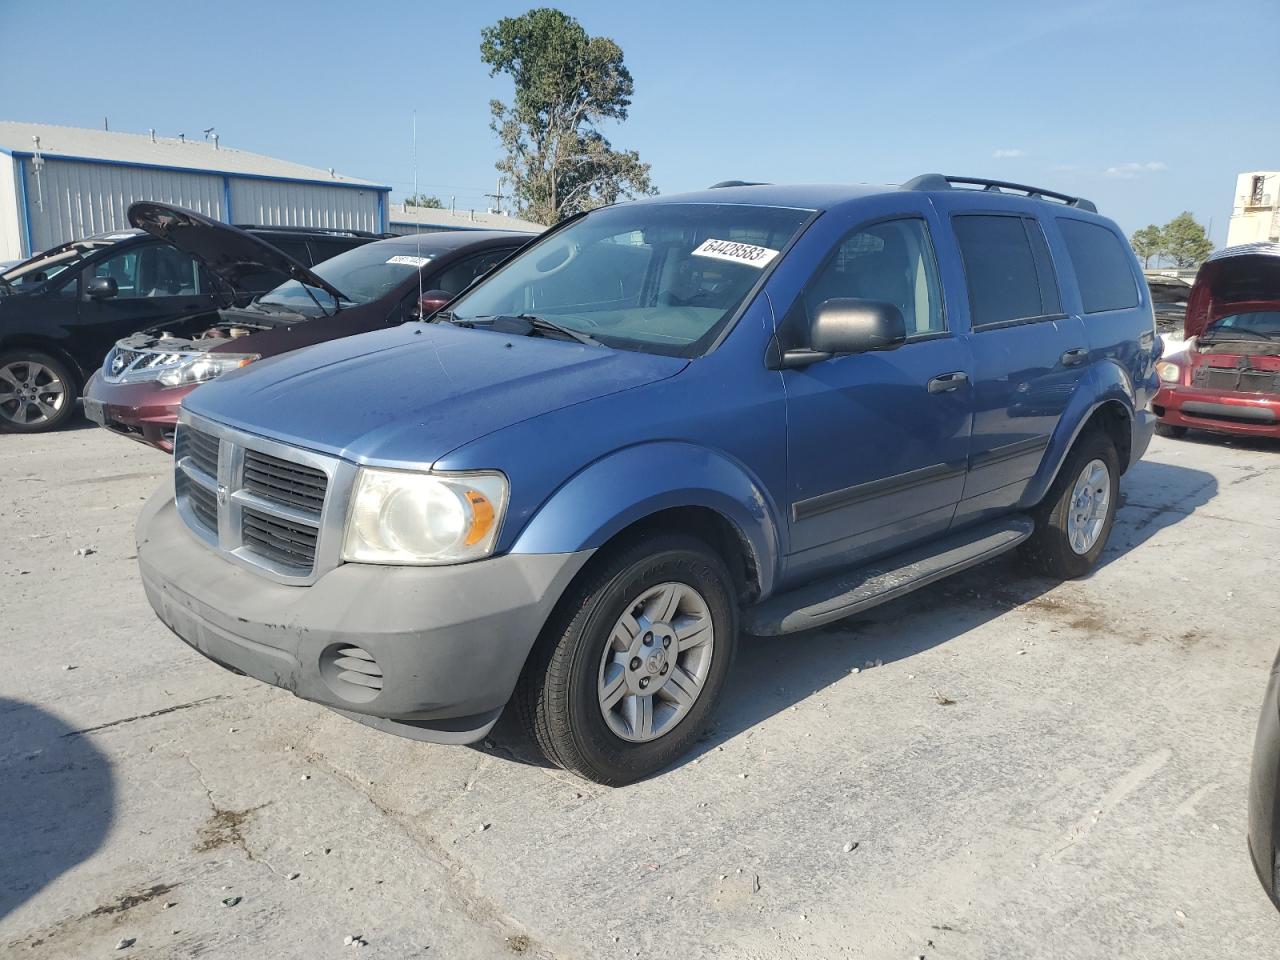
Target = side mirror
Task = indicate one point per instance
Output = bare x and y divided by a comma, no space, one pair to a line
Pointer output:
433,300
849,326
101,288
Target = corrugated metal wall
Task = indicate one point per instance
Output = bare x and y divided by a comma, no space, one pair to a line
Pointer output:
10,210
70,200
281,204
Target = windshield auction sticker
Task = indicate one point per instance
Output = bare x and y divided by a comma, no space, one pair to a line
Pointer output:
746,253
411,261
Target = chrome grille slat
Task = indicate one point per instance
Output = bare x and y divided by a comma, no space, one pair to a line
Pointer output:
259,502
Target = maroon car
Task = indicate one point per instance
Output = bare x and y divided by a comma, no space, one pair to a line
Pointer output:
145,376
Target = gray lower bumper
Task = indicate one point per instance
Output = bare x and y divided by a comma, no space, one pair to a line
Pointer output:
449,641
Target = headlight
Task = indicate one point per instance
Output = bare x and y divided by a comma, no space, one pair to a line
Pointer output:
1169,372
421,518
205,367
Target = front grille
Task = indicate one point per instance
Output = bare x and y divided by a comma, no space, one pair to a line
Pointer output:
203,502
201,448
261,503
286,542
1236,380
291,483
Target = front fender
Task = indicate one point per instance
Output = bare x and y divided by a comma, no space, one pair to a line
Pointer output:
636,482
1106,382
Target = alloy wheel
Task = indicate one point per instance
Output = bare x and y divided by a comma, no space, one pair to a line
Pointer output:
30,393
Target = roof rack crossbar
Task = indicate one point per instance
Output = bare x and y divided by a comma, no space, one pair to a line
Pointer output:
938,181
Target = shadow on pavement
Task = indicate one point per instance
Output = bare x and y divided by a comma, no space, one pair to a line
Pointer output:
57,797
773,673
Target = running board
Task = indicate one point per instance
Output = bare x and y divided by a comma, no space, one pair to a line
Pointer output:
861,588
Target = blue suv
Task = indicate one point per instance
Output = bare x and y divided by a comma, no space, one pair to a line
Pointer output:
755,408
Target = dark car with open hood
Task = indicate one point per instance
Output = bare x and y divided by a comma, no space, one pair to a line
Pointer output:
1227,379
145,376
63,309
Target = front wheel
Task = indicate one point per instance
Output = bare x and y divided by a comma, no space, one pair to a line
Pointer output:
1075,518
626,676
37,392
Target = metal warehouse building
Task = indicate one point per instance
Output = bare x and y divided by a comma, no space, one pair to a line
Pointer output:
407,220
62,183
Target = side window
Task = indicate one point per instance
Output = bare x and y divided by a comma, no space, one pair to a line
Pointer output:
1005,266
891,262
322,250
458,277
123,268
165,271
1101,265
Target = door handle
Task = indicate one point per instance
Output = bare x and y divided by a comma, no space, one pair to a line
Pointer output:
947,382
1075,356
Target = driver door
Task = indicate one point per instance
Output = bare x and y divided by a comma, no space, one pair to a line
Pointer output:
155,283
877,441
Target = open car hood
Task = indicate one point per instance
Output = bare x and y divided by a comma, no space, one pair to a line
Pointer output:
1238,279
226,251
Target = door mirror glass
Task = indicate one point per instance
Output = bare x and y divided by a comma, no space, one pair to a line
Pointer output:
847,325
433,300
101,288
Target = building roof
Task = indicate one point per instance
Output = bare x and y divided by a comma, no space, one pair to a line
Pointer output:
141,149
399,214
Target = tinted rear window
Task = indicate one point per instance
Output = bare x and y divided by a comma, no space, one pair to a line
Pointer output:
1000,269
1101,265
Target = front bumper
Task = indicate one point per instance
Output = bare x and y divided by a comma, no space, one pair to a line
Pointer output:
1238,414
1264,801
449,642
146,412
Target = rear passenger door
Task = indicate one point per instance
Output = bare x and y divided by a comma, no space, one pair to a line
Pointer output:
1029,356
877,442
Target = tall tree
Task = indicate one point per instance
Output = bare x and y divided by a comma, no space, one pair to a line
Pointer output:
1185,241
1147,243
566,84
423,200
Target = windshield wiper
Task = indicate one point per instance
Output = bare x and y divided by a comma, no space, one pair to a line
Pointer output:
522,324
1226,333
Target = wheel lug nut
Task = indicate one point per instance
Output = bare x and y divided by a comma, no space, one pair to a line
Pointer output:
635,663
644,682
666,642
663,671
648,639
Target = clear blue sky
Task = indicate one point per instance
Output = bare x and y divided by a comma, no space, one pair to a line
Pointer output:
1148,108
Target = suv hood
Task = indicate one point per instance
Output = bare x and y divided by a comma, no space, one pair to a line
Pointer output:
226,251
409,395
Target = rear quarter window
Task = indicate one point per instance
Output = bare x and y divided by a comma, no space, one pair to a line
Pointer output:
1101,265
1007,269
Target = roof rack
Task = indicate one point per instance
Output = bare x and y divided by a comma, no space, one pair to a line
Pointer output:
736,183
316,231
938,181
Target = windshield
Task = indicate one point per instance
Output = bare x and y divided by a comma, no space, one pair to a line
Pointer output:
365,273
1262,323
44,267
656,277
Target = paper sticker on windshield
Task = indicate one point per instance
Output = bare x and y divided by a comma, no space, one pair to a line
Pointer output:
411,261
734,252
119,236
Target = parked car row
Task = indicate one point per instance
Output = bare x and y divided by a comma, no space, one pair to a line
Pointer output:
62,310
386,282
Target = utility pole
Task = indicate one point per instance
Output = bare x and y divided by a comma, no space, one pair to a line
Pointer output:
497,196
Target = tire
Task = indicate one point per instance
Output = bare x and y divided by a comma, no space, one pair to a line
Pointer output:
1170,430
37,391
1050,548
575,666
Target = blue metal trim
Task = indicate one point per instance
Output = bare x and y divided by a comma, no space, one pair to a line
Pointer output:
226,199
382,213
93,161
26,207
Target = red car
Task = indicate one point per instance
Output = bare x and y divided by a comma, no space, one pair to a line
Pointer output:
145,376
1227,380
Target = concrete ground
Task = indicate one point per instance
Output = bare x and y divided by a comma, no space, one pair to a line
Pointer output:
1035,770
